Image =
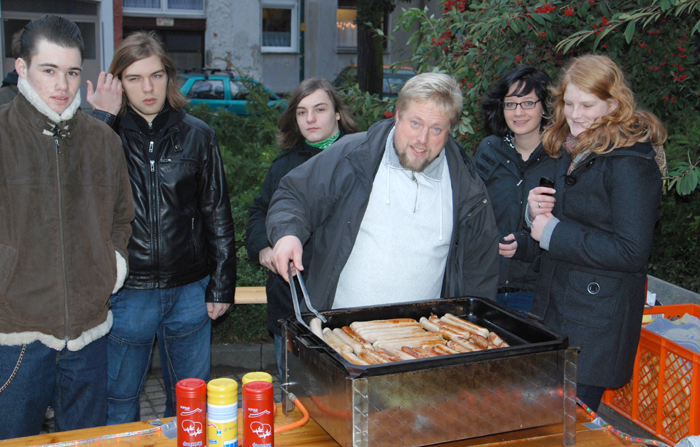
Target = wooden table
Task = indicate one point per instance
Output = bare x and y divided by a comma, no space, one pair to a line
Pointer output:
312,435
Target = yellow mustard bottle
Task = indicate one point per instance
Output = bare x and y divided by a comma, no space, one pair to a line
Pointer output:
222,413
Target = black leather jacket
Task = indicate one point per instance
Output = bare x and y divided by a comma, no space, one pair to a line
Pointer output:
183,230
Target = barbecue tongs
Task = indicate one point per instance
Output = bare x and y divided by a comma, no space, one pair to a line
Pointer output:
295,299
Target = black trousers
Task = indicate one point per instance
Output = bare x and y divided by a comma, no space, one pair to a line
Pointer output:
590,395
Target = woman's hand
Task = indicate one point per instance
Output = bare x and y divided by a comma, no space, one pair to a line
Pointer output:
508,248
539,201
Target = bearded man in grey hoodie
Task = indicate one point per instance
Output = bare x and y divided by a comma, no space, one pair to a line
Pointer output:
396,214
65,213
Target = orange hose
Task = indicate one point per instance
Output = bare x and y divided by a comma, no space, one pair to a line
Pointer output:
298,423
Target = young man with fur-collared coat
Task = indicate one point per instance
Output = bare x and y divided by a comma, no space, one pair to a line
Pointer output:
65,212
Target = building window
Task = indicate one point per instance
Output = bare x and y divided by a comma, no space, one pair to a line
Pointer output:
171,7
190,5
87,29
280,26
347,29
346,36
142,4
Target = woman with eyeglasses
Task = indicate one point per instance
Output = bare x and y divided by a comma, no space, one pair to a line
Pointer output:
596,230
511,162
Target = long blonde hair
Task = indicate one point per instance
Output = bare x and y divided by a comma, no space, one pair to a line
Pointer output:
624,126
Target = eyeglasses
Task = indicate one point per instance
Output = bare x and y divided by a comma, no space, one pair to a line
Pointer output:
525,105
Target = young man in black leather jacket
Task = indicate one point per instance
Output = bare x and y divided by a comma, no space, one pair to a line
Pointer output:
182,255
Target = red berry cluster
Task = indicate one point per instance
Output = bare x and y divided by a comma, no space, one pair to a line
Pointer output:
459,5
545,9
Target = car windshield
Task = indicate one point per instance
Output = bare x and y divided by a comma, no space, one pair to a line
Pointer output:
207,89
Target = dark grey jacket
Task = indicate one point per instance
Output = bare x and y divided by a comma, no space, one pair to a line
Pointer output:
592,278
279,295
509,179
325,199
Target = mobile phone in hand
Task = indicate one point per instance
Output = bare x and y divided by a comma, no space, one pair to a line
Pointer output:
548,182
504,241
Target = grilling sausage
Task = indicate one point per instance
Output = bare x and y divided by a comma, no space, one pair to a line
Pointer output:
471,327
479,341
497,341
355,336
360,324
356,347
352,358
411,342
316,327
335,342
443,350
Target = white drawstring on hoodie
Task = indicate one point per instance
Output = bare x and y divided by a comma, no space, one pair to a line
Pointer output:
398,256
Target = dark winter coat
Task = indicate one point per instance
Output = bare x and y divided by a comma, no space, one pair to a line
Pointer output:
509,179
325,199
183,230
279,296
592,278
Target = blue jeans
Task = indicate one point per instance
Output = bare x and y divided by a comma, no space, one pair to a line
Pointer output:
178,316
516,300
72,382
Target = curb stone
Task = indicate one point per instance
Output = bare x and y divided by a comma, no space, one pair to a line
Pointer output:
250,356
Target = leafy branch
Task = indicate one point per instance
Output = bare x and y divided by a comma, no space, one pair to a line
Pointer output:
644,16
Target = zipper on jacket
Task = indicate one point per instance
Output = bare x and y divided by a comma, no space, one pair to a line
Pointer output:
415,205
483,201
62,237
153,205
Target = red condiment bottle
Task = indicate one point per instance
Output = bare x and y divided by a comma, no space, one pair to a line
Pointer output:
191,413
258,415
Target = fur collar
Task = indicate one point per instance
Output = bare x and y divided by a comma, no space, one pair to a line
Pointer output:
41,106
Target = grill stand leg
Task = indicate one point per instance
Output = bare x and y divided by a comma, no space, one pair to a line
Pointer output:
287,403
570,358
360,413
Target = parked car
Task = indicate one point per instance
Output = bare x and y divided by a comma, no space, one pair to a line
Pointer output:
222,90
394,79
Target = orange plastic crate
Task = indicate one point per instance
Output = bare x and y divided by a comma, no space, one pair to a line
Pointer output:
663,396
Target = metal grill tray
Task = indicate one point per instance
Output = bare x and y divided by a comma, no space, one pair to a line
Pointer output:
524,334
437,399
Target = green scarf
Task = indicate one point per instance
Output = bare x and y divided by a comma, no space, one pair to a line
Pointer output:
325,143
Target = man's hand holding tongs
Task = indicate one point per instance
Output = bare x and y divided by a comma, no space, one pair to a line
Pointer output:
287,248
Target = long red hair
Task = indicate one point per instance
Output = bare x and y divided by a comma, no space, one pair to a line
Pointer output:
624,126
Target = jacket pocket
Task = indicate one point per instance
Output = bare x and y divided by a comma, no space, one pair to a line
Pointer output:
7,267
591,299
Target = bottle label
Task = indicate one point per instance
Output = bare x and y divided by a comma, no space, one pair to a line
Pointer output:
223,433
